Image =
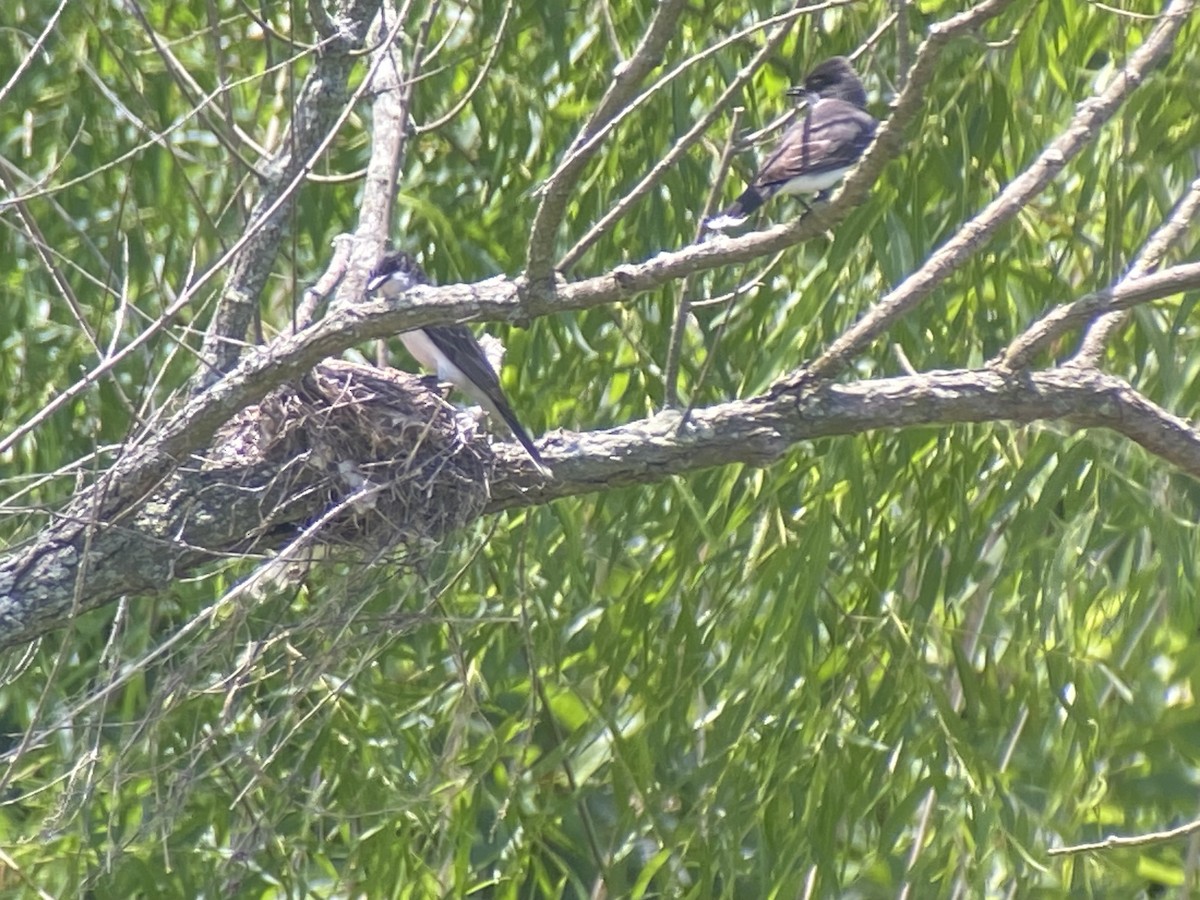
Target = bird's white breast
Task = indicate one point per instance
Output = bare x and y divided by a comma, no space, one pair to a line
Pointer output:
426,352
814,183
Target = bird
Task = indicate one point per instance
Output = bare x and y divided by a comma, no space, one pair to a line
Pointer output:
451,351
816,152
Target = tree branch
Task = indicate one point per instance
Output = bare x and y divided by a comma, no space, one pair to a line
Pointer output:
200,515
1138,840
1101,332
188,294
889,139
681,146
390,113
1126,293
319,110
290,356
34,50
760,430
557,189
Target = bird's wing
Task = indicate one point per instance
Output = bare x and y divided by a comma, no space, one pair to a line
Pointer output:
460,347
832,136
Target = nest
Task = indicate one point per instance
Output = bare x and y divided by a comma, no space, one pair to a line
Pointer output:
368,460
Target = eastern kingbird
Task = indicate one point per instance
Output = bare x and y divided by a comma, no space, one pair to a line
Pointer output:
815,153
450,350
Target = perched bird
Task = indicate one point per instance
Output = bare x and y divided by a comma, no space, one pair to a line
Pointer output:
816,152
450,350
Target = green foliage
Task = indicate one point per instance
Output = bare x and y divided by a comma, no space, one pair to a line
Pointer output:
923,656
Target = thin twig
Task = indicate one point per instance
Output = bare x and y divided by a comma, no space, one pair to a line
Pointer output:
155,138
34,235
1125,294
683,307
324,285
186,296
493,52
1100,334
1137,840
556,191
323,106
680,147
225,130
34,50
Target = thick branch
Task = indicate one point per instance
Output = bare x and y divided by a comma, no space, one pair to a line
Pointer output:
496,299
621,283
264,368
321,104
390,113
761,430
199,516
343,442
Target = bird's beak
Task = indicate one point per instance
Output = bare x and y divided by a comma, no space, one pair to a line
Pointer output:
802,96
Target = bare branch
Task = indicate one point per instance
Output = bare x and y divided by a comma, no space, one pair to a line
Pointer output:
625,81
1138,840
332,276
255,265
760,430
484,70
889,139
680,147
33,50
1126,293
390,112
1148,260
496,299
321,108
166,536
42,248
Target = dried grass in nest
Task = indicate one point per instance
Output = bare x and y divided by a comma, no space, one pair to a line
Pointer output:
379,460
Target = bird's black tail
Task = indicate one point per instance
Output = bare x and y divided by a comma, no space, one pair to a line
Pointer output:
750,200
523,438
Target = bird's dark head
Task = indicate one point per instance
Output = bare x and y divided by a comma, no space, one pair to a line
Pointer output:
396,273
834,79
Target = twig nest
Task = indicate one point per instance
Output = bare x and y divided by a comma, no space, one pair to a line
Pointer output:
371,460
